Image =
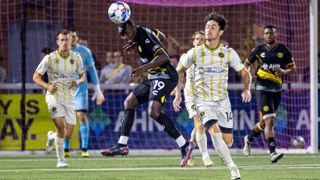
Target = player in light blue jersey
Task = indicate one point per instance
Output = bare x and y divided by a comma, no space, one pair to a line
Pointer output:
81,96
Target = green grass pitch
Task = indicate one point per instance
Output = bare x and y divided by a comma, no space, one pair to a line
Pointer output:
291,167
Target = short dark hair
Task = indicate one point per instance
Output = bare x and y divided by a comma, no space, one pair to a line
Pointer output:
46,50
269,27
123,27
219,18
72,29
196,33
63,32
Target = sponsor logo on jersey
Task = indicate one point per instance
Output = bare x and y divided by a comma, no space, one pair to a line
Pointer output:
202,114
54,109
210,70
144,60
263,55
155,48
280,55
147,41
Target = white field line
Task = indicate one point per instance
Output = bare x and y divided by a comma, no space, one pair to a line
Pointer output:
260,167
101,158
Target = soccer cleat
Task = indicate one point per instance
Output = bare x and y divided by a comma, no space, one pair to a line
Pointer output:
85,154
185,153
66,154
207,162
247,146
62,164
275,157
191,161
235,174
50,142
116,150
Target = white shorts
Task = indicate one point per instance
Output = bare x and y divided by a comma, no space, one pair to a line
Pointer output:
57,109
217,110
190,108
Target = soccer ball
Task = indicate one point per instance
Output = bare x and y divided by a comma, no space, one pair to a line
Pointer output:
119,12
297,142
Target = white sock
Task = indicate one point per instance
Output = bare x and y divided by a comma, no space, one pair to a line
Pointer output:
193,135
222,148
202,144
53,135
180,141
123,140
59,148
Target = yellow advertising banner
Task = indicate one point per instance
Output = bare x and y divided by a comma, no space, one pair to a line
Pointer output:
37,123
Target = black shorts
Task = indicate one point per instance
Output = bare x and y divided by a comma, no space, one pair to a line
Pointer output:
268,102
154,90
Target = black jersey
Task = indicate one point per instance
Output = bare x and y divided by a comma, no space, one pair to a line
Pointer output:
148,45
269,61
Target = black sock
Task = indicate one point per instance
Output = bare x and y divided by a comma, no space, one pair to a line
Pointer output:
169,127
271,144
127,122
185,145
253,135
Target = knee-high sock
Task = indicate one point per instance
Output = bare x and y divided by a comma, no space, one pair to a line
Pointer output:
127,122
67,144
53,135
222,148
202,144
193,137
59,148
126,126
84,135
168,125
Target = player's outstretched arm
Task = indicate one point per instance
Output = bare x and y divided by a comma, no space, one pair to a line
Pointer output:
160,58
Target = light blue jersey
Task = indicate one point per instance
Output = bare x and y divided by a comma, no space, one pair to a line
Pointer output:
81,96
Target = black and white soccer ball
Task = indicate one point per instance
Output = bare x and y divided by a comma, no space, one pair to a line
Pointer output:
119,12
297,142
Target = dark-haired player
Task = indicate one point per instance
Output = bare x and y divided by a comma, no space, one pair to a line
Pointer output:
210,63
162,79
274,62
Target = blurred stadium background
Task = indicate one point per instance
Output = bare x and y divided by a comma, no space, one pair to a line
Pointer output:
27,26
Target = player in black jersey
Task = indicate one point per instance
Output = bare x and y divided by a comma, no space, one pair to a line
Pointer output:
274,61
162,79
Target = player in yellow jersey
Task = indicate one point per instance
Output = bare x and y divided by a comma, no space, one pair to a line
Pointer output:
61,66
211,102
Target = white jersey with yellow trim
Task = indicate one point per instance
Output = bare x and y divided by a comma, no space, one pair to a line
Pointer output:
61,72
207,72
